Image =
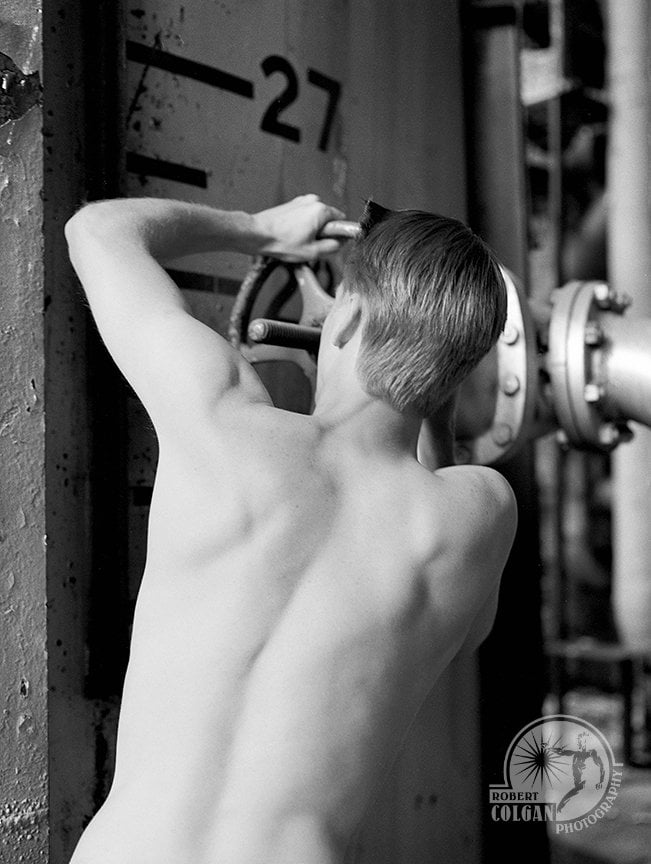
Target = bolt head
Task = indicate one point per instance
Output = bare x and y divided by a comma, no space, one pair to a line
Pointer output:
608,435
511,385
593,335
510,334
562,438
592,392
502,434
602,294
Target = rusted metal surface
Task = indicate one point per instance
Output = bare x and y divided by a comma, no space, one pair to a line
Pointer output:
19,91
23,659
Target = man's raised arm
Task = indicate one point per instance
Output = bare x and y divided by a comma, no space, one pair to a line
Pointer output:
175,363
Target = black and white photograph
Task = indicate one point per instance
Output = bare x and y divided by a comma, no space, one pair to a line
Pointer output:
325,431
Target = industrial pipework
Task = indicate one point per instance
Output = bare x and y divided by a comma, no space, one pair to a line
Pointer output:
581,367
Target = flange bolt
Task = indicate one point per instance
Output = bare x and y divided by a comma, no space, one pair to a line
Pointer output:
510,334
609,435
592,392
594,335
603,295
510,385
502,434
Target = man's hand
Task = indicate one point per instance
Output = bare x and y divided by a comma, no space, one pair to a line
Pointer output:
293,229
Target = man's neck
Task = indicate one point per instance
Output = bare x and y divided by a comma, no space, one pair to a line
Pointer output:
369,423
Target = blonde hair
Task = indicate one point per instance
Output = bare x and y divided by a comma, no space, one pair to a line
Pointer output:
434,301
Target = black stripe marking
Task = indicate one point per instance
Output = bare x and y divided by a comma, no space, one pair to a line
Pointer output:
140,53
148,167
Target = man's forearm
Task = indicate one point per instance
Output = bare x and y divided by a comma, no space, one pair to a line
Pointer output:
118,248
168,229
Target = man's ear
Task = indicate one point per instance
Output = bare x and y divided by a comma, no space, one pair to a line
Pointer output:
348,319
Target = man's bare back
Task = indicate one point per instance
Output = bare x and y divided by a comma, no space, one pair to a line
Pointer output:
307,581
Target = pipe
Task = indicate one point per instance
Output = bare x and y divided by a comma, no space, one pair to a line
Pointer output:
627,369
629,270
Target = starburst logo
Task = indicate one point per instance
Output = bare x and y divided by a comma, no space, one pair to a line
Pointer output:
557,769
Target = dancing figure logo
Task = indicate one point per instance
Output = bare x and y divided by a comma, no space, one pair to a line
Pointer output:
557,769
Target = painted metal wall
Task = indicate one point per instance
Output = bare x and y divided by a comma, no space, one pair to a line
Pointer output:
23,672
243,105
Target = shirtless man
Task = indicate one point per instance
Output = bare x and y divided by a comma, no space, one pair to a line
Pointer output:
307,581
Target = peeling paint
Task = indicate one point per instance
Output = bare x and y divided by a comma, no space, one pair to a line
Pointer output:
19,91
9,581
23,659
25,724
7,418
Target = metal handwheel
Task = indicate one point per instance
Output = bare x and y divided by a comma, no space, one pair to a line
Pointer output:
264,339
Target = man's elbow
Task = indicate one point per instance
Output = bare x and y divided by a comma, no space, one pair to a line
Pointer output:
85,222
97,221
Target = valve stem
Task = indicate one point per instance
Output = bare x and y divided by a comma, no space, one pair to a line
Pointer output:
266,331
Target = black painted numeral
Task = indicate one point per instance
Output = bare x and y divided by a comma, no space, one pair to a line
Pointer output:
333,89
270,119
270,122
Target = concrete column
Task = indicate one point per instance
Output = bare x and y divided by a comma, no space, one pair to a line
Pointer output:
629,255
23,656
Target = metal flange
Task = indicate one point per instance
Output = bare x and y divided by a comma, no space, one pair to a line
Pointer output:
514,385
578,345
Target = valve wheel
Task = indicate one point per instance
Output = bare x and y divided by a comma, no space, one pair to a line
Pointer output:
271,337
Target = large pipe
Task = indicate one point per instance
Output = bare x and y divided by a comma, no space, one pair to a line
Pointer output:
629,254
627,372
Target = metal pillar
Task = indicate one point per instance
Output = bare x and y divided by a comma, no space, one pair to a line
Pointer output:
629,264
512,681
23,656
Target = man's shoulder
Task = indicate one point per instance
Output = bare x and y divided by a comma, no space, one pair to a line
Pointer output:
480,482
479,501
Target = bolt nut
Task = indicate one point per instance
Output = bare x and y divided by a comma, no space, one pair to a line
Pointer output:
592,392
608,435
594,335
602,294
510,385
562,439
502,434
510,334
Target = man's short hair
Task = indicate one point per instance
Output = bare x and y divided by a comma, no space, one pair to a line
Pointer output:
434,304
